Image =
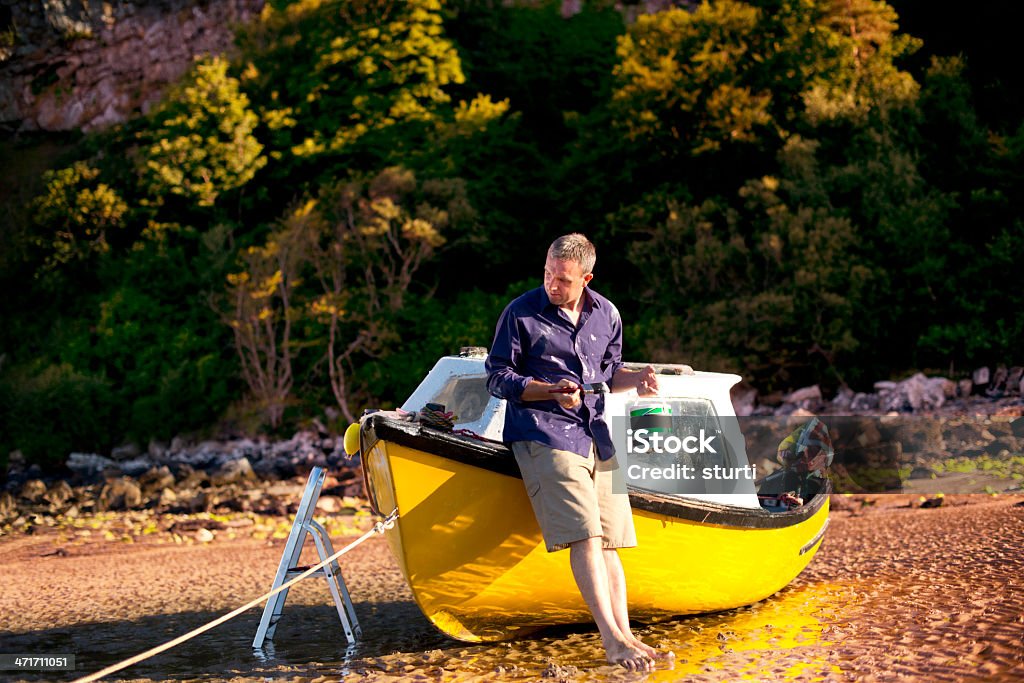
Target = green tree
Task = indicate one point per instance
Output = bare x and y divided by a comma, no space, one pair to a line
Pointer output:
763,284
200,143
261,309
76,214
375,235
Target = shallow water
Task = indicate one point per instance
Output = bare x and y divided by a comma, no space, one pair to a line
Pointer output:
780,637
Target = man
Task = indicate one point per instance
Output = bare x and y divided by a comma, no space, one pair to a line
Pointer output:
558,337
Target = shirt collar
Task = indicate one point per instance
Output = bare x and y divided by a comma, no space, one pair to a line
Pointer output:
590,301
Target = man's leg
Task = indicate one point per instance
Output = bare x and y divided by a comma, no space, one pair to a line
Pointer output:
618,532
592,577
620,609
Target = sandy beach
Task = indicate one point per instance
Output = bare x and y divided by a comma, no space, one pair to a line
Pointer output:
896,592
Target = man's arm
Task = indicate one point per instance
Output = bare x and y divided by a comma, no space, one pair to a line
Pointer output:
505,357
644,381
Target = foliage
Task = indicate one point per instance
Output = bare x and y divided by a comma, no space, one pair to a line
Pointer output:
75,215
49,411
359,69
261,310
200,143
770,189
764,283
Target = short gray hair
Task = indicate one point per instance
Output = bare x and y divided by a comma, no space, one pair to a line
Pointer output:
574,247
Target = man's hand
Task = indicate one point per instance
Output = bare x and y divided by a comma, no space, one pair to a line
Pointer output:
644,381
568,400
647,382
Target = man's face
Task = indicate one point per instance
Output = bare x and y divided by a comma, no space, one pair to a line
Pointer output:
564,281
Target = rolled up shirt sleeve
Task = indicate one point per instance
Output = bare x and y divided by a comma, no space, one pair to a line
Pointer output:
504,358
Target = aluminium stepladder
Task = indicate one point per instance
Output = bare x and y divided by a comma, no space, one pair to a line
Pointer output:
305,524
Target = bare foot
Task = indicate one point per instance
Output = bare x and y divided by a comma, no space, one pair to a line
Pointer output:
651,652
627,656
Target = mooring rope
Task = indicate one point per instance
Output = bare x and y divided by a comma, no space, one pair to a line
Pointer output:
378,528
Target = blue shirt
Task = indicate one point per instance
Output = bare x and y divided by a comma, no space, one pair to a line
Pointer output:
536,340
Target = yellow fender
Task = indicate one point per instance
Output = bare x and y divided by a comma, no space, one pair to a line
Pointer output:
352,439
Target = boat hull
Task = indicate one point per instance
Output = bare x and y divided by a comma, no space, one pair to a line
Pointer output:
469,546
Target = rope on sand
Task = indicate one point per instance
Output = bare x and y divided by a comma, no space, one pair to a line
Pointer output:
378,528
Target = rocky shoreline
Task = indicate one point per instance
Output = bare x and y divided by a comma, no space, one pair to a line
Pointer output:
232,477
972,424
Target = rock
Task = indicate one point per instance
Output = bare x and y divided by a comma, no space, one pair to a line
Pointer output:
964,388
232,472
136,467
843,399
126,452
199,502
8,506
112,471
1000,446
1017,427
167,497
808,395
119,494
998,382
33,490
245,448
284,467
328,504
190,478
204,535
156,449
864,402
157,478
981,376
59,494
1015,380
925,393
88,465
868,434
916,393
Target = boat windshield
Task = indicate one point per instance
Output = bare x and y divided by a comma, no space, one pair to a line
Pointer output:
677,446
464,396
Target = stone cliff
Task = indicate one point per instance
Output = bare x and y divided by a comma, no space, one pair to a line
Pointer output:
87,64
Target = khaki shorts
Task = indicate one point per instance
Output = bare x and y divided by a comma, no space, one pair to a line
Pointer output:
572,498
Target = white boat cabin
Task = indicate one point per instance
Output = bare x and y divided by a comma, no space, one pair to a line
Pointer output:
691,406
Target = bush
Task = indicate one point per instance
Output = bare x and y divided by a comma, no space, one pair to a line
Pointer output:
49,412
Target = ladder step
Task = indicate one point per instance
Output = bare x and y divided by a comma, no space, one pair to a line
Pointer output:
295,571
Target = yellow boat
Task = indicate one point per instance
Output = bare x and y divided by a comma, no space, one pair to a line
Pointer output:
469,546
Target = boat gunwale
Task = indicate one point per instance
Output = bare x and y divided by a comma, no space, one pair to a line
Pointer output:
497,457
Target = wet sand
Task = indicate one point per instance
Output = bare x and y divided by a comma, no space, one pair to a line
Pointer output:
895,592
